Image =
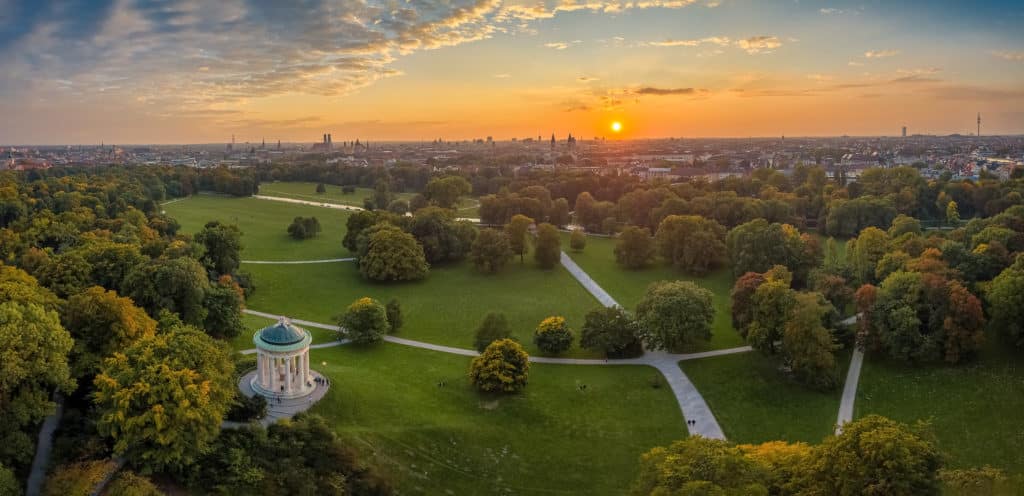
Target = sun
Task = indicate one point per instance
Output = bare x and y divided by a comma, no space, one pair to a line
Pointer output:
616,126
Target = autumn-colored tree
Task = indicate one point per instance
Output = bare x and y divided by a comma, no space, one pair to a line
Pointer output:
952,214
517,230
548,250
772,303
101,322
553,335
699,465
864,300
162,399
33,362
742,297
503,367
964,323
365,321
77,479
875,455
866,251
674,315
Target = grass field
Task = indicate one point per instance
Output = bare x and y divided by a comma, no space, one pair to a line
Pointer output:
264,225
754,402
974,409
307,191
550,439
628,286
445,308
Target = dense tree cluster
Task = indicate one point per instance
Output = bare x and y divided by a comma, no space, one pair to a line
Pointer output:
872,455
674,315
304,228
611,331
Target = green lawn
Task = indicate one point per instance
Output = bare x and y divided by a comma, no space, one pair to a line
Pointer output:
550,439
445,308
754,402
975,409
307,191
628,286
264,225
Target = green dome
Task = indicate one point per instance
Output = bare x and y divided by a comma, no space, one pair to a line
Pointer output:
282,333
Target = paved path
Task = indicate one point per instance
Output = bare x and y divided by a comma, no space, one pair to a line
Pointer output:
298,262
333,205
43,447
690,400
850,386
277,410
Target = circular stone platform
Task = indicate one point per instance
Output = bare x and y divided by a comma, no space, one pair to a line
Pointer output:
279,408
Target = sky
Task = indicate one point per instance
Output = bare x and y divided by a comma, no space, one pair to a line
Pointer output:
187,71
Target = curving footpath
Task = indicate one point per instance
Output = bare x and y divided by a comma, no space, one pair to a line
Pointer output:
336,206
44,445
690,401
298,262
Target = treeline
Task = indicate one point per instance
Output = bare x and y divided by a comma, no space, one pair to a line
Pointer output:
106,302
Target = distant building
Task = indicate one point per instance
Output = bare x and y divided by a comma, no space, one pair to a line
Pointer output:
904,131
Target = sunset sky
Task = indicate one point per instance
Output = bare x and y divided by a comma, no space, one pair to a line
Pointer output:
180,71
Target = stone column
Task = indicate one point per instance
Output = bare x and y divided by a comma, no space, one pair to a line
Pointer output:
289,375
272,368
305,366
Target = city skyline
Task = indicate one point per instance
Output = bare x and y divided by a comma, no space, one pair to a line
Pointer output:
187,72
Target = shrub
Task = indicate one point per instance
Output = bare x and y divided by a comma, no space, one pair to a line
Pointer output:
503,367
553,335
394,313
247,408
365,321
304,228
577,240
493,328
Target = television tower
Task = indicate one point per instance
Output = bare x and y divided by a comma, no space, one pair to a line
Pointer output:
979,124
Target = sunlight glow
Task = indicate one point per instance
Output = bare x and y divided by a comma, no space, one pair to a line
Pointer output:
616,126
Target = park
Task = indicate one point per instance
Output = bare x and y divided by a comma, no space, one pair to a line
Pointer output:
421,421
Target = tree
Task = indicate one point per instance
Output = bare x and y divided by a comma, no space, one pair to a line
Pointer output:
549,246
224,302
76,479
445,192
178,285
304,228
382,193
393,310
964,323
517,230
365,321
398,207
952,214
128,483
223,245
355,225
691,243
163,398
742,297
634,248
772,302
612,331
389,254
559,214
875,455
101,322
503,367
757,246
8,483
700,466
491,251
443,238
1006,302
674,315
587,214
321,188
904,224
553,335
35,350
493,328
807,345
577,240
866,251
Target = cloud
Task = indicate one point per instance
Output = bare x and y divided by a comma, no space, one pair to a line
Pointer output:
586,79
830,11
713,40
854,63
502,76
759,44
650,90
819,77
562,45
878,54
1008,55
